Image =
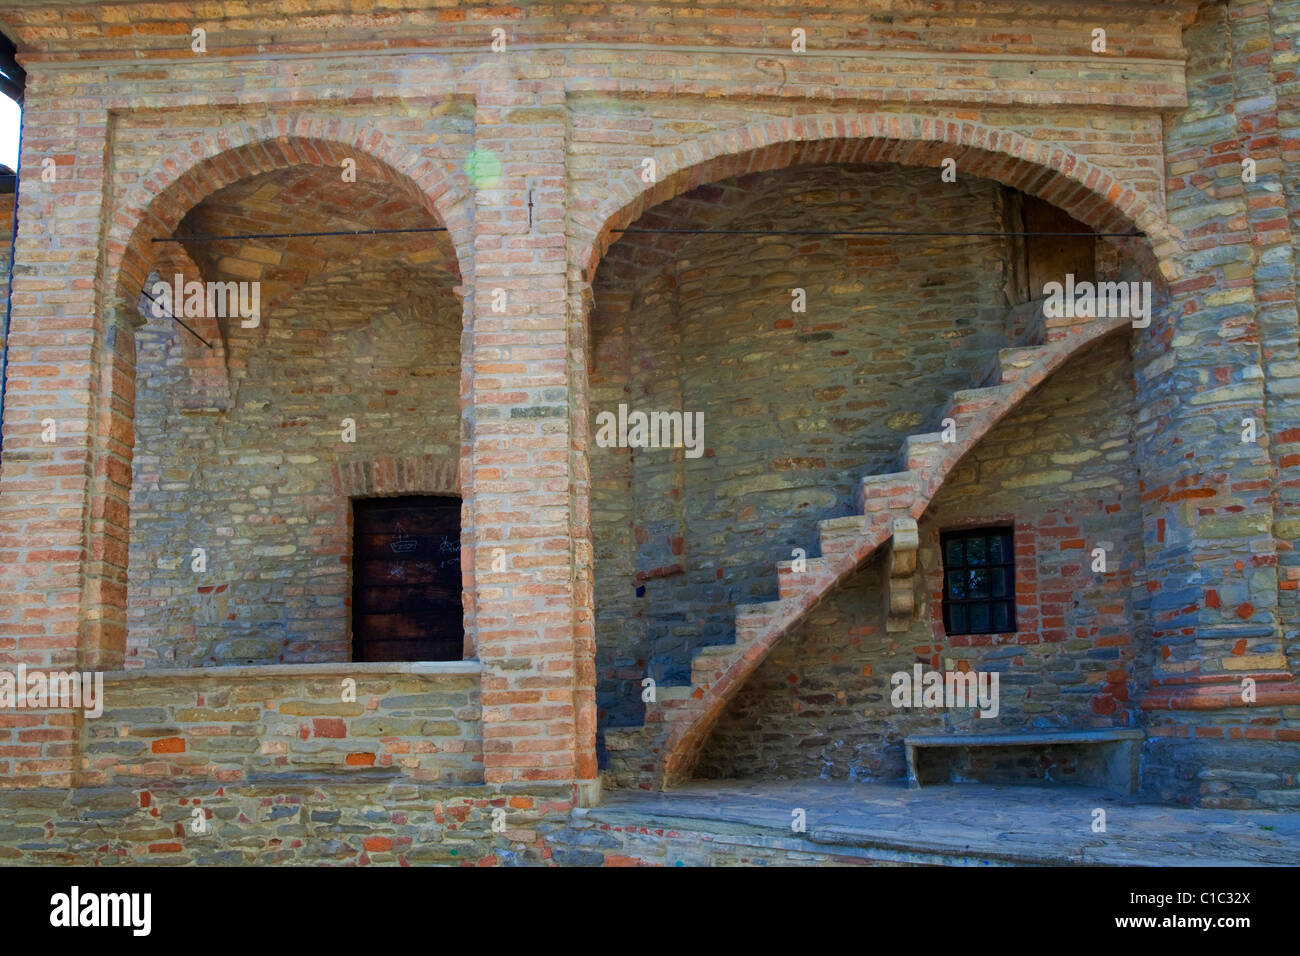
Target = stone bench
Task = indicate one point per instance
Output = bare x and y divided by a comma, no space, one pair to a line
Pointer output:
1105,758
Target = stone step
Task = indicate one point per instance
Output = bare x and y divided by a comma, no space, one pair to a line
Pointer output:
893,491
756,616
790,583
676,707
709,662
838,535
920,452
628,738
673,692
969,402
1013,362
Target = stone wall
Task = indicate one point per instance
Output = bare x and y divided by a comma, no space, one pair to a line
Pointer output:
306,820
1059,469
1219,508
258,486
414,722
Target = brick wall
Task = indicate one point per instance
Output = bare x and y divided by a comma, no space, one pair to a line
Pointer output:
1219,510
6,245
1012,91
310,820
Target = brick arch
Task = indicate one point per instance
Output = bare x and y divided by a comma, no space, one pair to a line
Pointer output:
1048,170
156,204
397,475
152,208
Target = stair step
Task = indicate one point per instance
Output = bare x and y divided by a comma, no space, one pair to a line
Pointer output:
748,615
628,738
970,401
920,451
790,583
716,650
673,692
893,491
838,535
1014,361
710,661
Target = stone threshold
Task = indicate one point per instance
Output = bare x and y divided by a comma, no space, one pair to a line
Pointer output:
940,831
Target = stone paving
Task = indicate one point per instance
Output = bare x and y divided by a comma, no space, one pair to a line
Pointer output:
965,823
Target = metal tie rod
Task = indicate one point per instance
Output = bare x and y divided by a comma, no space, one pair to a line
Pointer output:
872,232
200,237
884,233
176,320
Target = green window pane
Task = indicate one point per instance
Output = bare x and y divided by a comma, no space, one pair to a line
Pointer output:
979,581
1002,616
998,582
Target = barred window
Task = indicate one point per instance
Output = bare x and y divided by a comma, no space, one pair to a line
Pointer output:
979,589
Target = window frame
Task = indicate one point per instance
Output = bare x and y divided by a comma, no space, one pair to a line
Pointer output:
1007,564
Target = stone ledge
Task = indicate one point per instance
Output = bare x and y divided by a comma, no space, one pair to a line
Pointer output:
328,669
1027,739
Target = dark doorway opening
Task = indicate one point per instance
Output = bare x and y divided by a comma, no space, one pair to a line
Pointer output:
406,584
1050,258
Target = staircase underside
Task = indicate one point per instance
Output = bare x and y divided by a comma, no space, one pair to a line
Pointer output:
662,752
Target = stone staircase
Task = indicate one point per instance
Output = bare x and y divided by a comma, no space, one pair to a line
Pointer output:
663,751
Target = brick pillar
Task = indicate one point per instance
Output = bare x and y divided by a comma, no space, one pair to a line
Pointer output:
1215,356
581,306
63,503
1253,37
521,435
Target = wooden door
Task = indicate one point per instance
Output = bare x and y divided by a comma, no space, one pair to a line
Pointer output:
1050,258
406,579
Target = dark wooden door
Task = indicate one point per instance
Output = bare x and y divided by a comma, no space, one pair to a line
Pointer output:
1050,258
406,579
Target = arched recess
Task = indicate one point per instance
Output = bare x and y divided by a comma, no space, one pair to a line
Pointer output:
152,208
1048,170
1085,191
155,205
